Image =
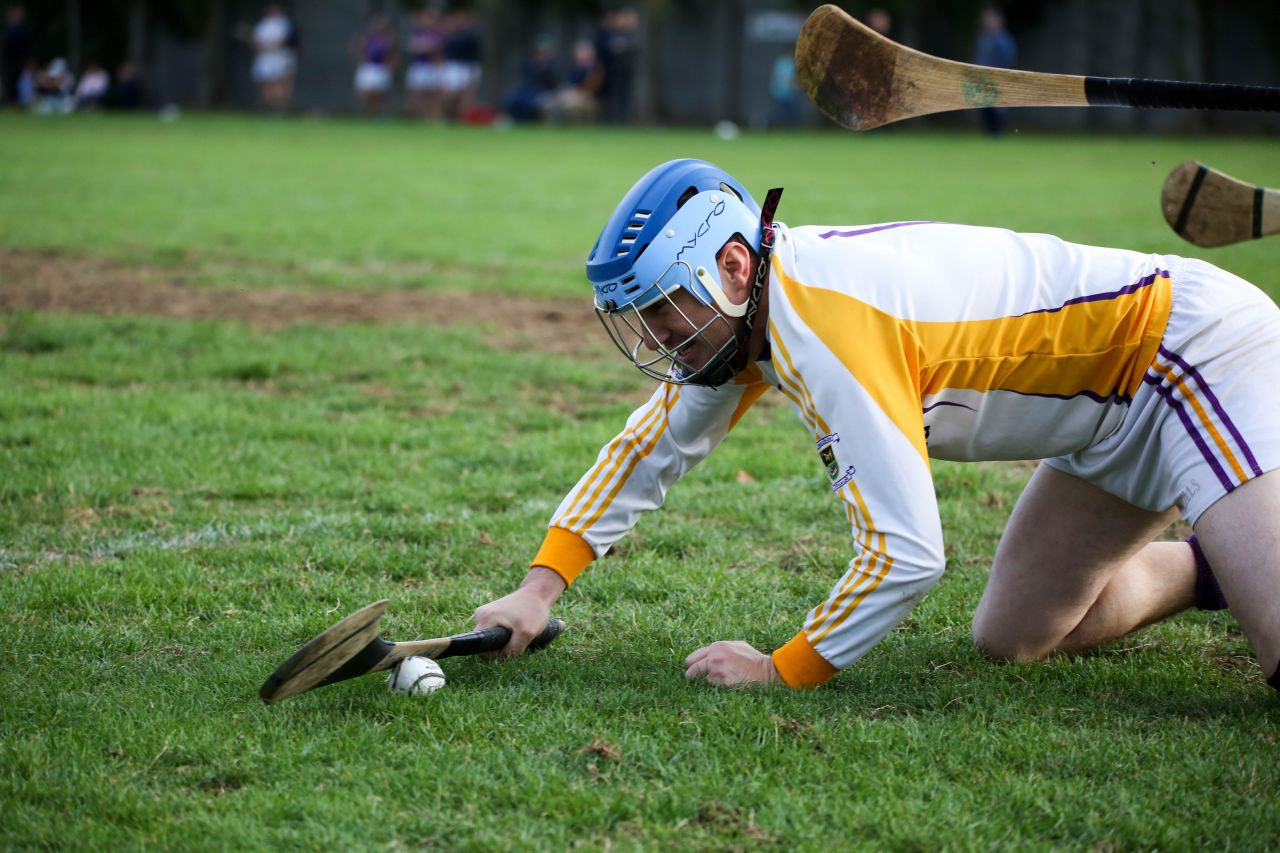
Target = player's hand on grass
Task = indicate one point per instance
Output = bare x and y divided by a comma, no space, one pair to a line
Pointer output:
524,612
731,663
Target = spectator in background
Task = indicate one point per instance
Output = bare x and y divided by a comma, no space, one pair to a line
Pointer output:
538,80
462,48
15,55
576,102
55,88
26,94
617,45
424,81
91,91
784,92
996,49
274,61
376,50
126,91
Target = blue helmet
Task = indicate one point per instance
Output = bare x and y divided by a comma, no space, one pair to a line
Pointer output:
664,236
666,232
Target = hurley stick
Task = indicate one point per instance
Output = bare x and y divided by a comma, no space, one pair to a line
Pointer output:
352,648
861,80
1210,208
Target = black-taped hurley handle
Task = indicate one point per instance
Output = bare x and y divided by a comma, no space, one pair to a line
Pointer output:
493,639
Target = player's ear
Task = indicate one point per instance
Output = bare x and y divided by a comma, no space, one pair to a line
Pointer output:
735,271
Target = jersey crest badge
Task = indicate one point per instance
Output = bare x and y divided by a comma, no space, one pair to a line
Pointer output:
828,457
827,453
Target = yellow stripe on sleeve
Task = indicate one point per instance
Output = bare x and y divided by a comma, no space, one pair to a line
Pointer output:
826,613
593,482
615,457
657,429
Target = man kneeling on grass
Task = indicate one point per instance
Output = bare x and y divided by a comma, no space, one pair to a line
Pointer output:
1143,381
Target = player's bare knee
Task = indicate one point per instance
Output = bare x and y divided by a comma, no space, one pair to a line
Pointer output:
1003,647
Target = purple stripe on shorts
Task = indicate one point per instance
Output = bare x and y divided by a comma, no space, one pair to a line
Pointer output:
1188,370
1166,391
1146,281
828,235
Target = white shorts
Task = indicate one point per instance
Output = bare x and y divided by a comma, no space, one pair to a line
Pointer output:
460,76
272,65
1207,418
373,78
426,77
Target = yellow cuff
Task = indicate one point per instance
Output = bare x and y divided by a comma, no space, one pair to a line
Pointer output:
564,553
800,665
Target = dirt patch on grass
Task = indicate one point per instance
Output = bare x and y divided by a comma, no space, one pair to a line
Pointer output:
46,281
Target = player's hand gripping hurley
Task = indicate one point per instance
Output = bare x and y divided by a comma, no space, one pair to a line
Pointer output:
861,80
352,648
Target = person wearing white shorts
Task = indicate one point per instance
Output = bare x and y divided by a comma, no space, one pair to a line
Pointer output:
377,52
1144,382
273,61
426,79
1076,566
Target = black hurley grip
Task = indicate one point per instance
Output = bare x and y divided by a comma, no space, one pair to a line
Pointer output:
1136,92
493,639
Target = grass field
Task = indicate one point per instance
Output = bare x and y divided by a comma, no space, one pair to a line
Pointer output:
195,477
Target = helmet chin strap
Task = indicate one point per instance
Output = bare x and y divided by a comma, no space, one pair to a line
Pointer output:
767,211
729,362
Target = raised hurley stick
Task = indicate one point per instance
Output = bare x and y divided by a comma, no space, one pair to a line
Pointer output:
353,648
1209,208
861,80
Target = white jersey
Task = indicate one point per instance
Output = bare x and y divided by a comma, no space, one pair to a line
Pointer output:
895,343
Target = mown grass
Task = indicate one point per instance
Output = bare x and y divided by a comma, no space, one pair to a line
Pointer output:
239,201
183,502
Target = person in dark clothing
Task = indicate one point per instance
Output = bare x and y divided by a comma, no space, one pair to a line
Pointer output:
617,45
126,92
15,52
995,49
538,80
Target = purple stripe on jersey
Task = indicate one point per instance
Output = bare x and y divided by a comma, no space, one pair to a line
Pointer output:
1188,370
1166,391
927,409
1118,399
828,235
1145,281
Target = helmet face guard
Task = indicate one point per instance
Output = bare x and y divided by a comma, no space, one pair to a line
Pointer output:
665,236
630,331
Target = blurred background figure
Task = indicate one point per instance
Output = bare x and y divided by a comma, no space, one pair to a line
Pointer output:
274,60
617,47
784,92
55,89
425,78
92,89
376,52
538,79
881,21
463,43
997,49
577,101
126,91
15,54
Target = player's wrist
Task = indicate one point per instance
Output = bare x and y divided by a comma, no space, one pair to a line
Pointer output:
543,583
